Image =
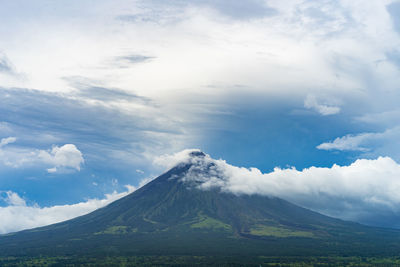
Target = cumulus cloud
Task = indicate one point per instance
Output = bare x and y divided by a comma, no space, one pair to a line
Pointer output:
58,158
311,102
66,156
18,215
357,192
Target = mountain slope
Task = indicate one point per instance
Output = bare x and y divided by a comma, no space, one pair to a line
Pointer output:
172,215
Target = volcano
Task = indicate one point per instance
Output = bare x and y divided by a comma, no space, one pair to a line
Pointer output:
182,213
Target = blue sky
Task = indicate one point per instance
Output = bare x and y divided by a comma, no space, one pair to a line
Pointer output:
93,92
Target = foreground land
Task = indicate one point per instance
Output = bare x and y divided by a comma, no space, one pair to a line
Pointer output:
198,261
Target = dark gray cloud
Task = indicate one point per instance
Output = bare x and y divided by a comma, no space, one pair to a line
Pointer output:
394,11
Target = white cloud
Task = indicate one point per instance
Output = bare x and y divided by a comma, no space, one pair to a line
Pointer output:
52,170
311,102
67,156
19,216
370,144
349,142
13,199
358,191
170,160
6,141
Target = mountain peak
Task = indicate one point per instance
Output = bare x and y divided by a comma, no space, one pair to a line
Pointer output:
197,169
187,156
197,153
194,168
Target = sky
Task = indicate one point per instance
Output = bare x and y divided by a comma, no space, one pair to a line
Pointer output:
93,93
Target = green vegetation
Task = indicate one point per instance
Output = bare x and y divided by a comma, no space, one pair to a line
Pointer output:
206,222
263,230
114,230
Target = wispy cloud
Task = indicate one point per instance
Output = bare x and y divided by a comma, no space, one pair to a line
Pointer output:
323,108
90,89
371,144
110,94
350,142
7,140
387,118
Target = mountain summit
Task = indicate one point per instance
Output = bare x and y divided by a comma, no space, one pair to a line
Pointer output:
187,211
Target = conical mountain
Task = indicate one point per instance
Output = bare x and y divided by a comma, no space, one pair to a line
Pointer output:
182,213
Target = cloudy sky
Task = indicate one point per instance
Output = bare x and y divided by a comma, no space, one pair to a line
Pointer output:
92,92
